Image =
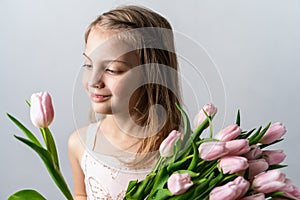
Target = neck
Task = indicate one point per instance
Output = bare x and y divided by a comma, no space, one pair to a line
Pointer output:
119,132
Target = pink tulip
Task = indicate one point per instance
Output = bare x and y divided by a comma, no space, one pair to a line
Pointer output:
212,150
229,133
270,181
275,132
237,147
179,183
232,164
256,167
273,157
41,109
210,109
254,153
232,190
258,196
166,147
291,190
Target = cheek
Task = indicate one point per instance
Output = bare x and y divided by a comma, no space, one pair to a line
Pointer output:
125,87
85,79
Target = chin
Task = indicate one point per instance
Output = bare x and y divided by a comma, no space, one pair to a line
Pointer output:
99,109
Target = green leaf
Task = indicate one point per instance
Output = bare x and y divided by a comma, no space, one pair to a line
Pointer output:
259,136
28,102
162,194
26,194
252,138
50,144
277,166
186,126
195,159
28,133
245,135
52,169
159,180
266,145
238,118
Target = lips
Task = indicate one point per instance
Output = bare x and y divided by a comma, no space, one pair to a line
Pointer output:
99,98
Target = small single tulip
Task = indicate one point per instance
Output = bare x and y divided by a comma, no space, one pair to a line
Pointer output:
275,132
179,183
41,109
166,147
210,109
254,153
212,150
232,190
256,167
258,196
291,190
233,164
237,147
270,181
273,157
229,133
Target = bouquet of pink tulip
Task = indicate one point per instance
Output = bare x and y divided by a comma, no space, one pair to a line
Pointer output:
232,165
41,114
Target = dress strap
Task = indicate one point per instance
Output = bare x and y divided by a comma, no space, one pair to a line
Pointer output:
91,135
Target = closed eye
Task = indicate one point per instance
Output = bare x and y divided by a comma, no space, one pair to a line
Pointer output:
113,71
87,66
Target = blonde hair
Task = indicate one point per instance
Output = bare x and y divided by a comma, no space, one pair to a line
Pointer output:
134,17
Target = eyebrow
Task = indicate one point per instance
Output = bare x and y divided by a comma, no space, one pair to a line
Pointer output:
109,61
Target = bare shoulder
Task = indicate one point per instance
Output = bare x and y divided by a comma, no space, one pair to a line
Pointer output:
76,142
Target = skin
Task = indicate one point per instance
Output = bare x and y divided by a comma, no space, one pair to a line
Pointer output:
107,73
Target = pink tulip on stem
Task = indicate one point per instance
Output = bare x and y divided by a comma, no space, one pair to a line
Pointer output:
179,183
275,132
237,147
41,109
254,153
229,133
256,167
233,164
210,110
166,147
212,150
273,157
232,190
270,181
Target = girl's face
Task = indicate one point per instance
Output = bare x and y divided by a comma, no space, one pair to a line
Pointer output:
108,77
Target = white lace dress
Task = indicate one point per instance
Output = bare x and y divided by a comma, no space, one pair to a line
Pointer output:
105,176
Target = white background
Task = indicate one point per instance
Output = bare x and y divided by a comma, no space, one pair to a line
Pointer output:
255,45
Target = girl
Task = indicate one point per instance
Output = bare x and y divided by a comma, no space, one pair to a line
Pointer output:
130,75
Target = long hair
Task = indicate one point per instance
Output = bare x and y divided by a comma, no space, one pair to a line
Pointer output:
134,17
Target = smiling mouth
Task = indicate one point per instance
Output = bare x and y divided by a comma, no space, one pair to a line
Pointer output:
99,98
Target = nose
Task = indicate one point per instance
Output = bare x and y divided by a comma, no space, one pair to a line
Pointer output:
96,80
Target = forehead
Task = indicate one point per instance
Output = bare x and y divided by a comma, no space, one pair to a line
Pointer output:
105,45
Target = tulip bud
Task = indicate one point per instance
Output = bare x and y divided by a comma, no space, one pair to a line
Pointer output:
275,132
166,147
237,147
232,164
231,190
210,109
273,157
256,167
254,153
270,181
258,196
229,133
179,183
291,190
41,109
212,150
